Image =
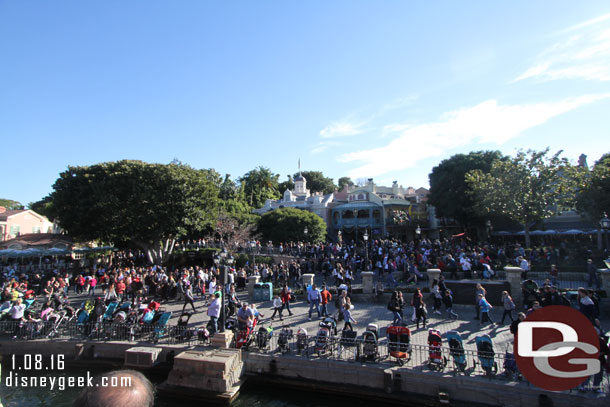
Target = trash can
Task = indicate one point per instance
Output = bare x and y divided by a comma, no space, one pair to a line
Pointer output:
266,292
257,293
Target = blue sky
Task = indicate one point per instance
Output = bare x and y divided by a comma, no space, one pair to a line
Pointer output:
383,89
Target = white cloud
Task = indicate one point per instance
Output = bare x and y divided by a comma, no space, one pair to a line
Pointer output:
341,129
323,146
583,54
487,122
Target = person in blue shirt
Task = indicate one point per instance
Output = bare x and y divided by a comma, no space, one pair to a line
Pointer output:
485,307
314,298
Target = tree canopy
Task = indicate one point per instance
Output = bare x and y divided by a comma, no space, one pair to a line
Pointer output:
449,189
343,181
10,204
317,182
288,224
593,198
259,185
133,202
527,188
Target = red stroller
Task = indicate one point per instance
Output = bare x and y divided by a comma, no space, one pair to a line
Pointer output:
244,338
436,361
399,343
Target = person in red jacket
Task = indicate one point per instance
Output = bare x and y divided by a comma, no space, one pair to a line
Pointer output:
326,297
285,295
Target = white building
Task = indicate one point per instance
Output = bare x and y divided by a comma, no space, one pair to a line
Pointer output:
300,198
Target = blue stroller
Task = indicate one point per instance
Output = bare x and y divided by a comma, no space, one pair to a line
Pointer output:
510,366
456,350
486,355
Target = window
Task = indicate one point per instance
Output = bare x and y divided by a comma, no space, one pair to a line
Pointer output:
35,229
377,215
15,230
363,214
348,214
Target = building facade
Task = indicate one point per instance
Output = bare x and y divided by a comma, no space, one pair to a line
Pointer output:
14,223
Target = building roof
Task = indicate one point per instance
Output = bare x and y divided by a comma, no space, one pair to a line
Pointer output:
300,177
10,212
38,239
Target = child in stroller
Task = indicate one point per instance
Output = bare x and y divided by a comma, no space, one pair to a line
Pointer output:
436,360
263,337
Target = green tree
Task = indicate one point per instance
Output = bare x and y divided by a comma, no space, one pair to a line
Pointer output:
259,185
135,203
286,185
43,207
288,224
343,181
527,188
10,204
449,190
317,182
593,198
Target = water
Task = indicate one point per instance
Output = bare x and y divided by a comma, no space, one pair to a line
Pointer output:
251,396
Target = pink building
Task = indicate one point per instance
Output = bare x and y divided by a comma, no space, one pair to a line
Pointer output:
14,223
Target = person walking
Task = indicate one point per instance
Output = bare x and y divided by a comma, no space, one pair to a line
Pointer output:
484,307
277,307
419,307
285,296
509,306
325,297
188,297
448,301
313,296
394,307
480,290
437,297
347,315
592,272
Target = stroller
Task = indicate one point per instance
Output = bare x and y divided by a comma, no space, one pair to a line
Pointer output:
263,337
244,338
399,343
324,338
302,342
181,332
370,348
160,328
486,355
331,322
456,350
348,340
283,340
510,366
436,360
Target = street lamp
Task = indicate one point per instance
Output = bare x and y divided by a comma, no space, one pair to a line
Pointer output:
366,248
339,236
418,231
489,228
605,224
305,231
225,260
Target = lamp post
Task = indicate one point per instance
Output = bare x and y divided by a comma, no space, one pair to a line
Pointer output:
605,224
418,231
366,248
339,233
226,261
